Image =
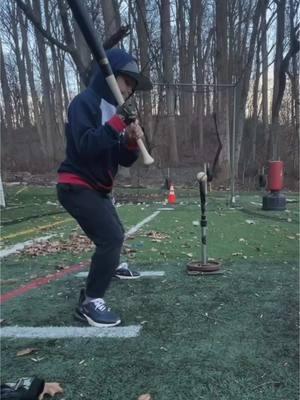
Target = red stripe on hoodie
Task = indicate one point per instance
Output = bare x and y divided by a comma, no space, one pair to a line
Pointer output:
73,179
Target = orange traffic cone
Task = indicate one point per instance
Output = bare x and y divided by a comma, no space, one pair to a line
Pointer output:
172,196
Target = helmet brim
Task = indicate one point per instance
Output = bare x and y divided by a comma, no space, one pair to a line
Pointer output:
142,82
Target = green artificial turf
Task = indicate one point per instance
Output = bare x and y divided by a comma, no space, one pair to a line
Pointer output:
225,337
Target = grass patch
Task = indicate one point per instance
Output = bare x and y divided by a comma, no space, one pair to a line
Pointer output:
232,336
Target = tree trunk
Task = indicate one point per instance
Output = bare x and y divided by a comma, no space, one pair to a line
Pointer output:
81,63
46,89
166,47
186,43
7,127
277,64
62,77
265,70
33,92
20,66
58,101
200,56
294,76
243,87
7,96
222,93
83,50
144,54
111,18
255,110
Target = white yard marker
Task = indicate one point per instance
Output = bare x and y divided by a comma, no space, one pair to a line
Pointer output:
2,197
63,332
20,246
144,274
140,224
150,274
255,203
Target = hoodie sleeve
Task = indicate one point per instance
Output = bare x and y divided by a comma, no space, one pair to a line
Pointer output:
91,138
129,152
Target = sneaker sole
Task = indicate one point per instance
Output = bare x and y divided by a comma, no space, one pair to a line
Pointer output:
89,321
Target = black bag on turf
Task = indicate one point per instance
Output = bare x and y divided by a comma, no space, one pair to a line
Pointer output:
23,389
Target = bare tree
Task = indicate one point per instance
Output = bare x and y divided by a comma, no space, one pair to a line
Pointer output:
142,33
280,70
222,78
7,95
243,66
265,69
166,47
20,61
47,104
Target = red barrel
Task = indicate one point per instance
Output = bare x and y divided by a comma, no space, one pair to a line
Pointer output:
275,176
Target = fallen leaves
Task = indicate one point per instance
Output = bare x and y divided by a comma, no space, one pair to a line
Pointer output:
8,281
25,352
145,396
156,236
129,251
76,244
51,389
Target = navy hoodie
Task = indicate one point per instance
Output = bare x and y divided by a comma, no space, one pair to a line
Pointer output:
95,145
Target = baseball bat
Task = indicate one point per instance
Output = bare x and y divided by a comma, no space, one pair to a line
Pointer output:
91,37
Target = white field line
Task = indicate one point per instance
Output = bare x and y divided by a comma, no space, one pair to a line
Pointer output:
62,332
150,274
255,203
140,224
20,246
144,274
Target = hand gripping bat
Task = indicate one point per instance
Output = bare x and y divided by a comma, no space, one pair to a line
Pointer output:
91,37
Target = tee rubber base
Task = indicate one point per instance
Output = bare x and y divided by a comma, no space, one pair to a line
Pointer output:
198,268
274,201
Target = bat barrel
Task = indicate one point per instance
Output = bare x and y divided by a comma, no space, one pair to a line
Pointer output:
85,24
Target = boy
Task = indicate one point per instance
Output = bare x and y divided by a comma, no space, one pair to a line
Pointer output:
99,137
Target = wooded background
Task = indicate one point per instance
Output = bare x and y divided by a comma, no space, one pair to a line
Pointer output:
191,49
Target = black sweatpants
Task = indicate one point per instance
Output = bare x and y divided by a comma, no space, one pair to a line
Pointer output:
98,218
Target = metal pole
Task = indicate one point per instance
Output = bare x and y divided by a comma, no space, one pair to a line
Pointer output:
203,197
195,84
232,183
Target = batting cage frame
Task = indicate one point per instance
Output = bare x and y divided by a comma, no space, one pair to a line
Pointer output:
232,132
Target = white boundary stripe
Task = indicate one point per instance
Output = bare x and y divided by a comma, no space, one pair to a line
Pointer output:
150,274
255,203
140,224
143,274
62,332
20,246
